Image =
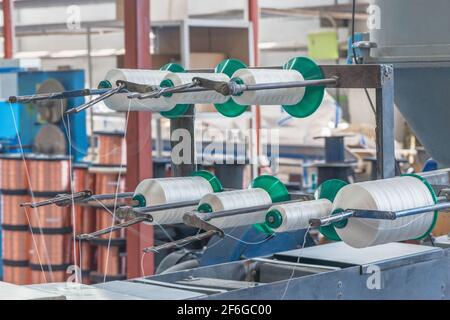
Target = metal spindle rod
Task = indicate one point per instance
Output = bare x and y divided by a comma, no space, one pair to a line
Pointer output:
57,95
93,102
111,229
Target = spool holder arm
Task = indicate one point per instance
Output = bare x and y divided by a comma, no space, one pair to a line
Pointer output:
233,88
62,200
380,215
65,200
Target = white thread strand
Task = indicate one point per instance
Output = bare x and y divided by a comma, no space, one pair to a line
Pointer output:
120,101
386,195
287,96
297,215
173,190
196,97
235,200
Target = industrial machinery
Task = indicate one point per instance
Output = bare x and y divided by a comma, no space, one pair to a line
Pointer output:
368,222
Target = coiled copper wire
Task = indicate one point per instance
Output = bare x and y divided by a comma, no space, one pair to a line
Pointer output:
12,213
112,263
16,245
17,275
84,251
50,216
13,173
107,181
51,249
84,220
37,276
49,174
111,148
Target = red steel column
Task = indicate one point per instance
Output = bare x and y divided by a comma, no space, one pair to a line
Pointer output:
253,17
8,29
139,142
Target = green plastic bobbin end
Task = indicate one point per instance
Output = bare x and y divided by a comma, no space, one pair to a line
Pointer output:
212,179
173,67
274,219
274,187
435,199
263,228
230,109
179,109
104,84
340,224
313,95
328,190
205,208
141,202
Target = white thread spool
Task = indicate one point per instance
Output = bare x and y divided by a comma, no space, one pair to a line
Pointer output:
235,200
394,194
120,101
296,216
287,96
214,97
172,190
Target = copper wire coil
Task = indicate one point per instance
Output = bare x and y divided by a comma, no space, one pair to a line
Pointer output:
49,175
111,149
84,220
50,216
85,251
104,220
37,276
13,174
16,245
110,262
80,178
12,213
17,275
51,249
109,183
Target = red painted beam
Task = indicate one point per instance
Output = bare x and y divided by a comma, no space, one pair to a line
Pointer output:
139,142
253,17
8,29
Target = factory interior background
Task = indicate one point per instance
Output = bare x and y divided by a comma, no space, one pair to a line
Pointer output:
120,180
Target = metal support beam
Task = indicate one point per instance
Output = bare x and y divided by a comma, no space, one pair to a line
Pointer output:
138,135
8,28
253,17
385,125
187,122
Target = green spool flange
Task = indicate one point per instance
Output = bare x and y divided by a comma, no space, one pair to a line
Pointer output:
230,109
212,179
277,192
328,190
104,84
179,109
205,208
141,202
313,95
274,187
274,219
433,195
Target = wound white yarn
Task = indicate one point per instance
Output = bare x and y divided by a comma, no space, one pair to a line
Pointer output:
297,215
394,194
290,96
172,190
120,101
235,200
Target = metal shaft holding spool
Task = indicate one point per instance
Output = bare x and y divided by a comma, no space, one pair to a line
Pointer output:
374,214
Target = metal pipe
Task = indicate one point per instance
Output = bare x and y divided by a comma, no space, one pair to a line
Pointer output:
93,102
8,29
58,95
414,211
